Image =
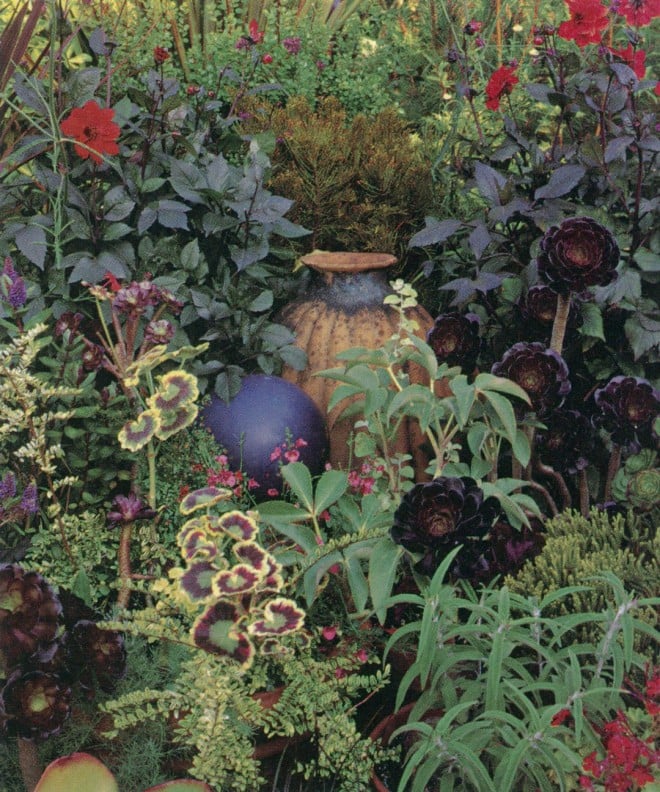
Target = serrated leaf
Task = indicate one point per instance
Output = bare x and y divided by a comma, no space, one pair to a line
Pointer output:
592,321
31,241
561,182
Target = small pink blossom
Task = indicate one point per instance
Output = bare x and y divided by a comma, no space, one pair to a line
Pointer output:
329,633
292,455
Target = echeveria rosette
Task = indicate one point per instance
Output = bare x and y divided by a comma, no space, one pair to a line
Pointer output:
436,516
29,614
455,339
36,704
628,407
541,372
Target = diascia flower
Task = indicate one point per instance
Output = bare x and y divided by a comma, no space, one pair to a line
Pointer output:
500,84
587,22
94,128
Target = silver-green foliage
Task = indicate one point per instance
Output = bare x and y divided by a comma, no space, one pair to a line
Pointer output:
501,668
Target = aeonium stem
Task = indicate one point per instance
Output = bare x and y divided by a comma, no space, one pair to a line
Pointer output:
559,325
124,563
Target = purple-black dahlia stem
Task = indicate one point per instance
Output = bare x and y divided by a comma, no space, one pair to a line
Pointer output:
559,325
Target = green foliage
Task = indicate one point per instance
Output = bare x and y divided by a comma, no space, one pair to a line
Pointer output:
578,549
502,668
358,183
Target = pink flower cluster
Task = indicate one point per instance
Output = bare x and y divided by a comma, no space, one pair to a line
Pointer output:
364,479
235,480
288,452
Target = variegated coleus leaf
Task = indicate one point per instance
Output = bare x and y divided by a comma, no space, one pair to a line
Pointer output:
280,616
134,435
197,580
203,498
175,389
173,421
238,525
216,631
239,579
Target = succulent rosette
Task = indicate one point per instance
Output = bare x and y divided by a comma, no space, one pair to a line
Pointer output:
436,516
628,407
96,655
36,704
455,339
566,441
540,372
577,254
29,614
128,509
537,309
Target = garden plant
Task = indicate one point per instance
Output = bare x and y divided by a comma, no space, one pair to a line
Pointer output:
168,623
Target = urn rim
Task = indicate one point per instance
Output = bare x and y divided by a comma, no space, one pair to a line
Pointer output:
342,261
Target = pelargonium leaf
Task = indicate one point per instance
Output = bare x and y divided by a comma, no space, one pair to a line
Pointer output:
280,616
197,580
271,646
173,421
176,389
196,544
147,361
136,434
215,631
203,498
238,525
239,579
253,554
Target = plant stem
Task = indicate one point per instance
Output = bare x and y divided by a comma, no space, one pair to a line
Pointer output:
546,470
559,325
583,485
28,759
612,469
124,562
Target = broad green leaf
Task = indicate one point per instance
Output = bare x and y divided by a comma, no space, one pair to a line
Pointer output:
504,410
382,573
465,395
298,477
315,573
492,382
521,448
358,583
330,487
80,772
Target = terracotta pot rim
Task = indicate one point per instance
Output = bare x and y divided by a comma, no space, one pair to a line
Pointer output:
340,261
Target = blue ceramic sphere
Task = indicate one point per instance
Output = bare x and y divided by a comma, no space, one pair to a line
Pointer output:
267,413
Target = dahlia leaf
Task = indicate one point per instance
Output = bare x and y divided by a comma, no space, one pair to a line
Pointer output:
436,231
561,182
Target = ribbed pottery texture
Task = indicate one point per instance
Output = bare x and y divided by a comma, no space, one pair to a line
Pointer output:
345,309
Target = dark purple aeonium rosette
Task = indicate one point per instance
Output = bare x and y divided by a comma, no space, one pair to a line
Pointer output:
455,339
628,408
541,372
34,704
566,442
577,254
537,309
29,614
436,516
96,655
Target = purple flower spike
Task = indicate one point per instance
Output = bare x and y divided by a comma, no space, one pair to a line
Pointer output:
12,286
540,372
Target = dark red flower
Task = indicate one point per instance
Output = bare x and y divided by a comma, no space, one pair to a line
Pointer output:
587,22
455,339
559,717
93,127
540,372
577,254
36,704
436,516
639,12
267,58
29,614
635,58
160,55
628,407
500,84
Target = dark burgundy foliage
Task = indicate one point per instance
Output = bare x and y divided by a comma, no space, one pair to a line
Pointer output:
436,516
98,656
36,704
29,614
455,339
128,509
510,549
540,372
576,255
567,441
628,406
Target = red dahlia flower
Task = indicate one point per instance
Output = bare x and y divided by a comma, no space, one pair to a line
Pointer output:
636,59
587,22
500,84
160,55
93,127
639,12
